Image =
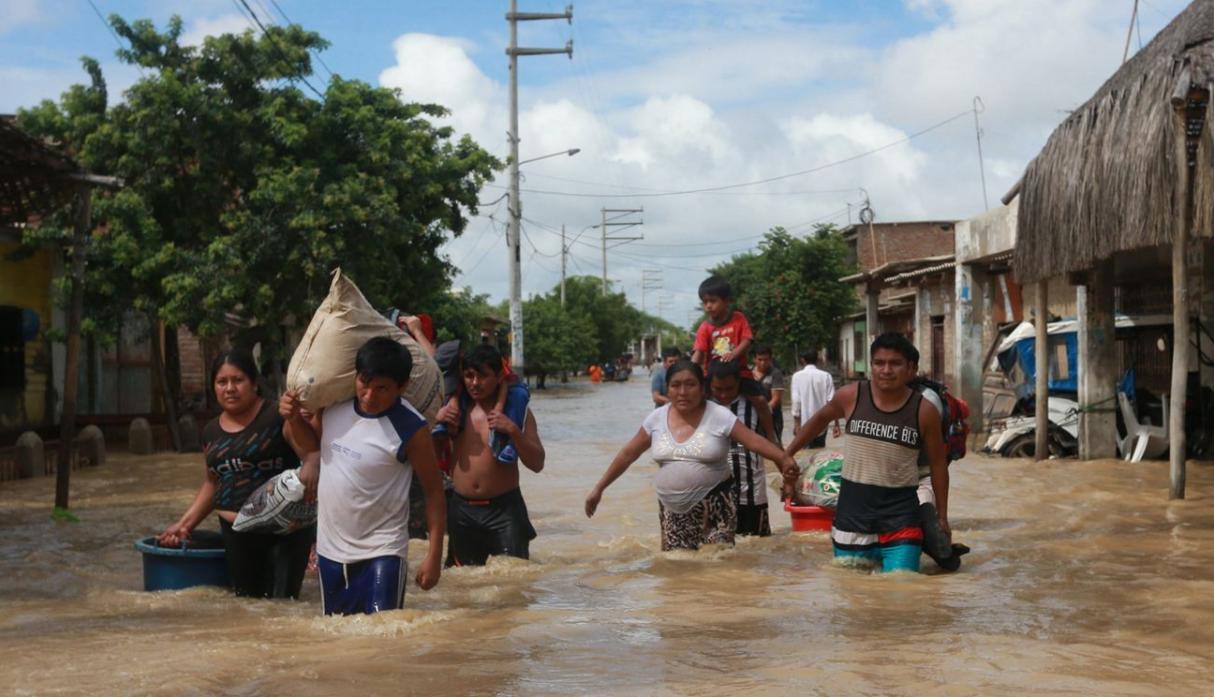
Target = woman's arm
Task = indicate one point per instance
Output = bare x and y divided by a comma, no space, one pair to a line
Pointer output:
199,509
623,460
758,444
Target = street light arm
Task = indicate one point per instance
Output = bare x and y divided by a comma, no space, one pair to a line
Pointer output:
570,152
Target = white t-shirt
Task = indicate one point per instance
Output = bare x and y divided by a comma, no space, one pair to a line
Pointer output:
811,390
363,495
689,470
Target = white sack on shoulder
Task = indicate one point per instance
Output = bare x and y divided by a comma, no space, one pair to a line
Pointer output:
322,369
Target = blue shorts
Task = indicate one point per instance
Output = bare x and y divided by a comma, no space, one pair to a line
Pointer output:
362,587
894,551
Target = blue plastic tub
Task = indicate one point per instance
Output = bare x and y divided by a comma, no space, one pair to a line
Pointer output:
199,563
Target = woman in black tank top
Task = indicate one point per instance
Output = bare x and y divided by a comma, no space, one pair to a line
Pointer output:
244,448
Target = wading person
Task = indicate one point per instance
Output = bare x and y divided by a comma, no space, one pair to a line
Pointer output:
370,448
690,439
771,378
244,447
749,488
812,389
877,520
657,383
486,514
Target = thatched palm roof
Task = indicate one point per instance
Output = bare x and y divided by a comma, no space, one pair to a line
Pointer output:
1107,178
34,179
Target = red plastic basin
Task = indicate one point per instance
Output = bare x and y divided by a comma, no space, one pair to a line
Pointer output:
810,518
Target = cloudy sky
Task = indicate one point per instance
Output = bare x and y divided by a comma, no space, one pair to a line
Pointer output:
672,96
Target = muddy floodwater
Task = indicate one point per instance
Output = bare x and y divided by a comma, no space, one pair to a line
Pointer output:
1083,580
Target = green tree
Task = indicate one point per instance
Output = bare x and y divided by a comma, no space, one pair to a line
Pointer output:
243,193
558,339
616,322
789,289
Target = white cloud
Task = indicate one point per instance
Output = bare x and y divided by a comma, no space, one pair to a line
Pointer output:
15,13
437,69
202,27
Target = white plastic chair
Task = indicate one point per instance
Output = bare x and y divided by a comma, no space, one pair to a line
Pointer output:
1142,440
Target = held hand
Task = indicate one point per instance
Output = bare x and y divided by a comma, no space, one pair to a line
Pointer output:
411,324
309,475
789,468
787,489
427,576
289,407
448,414
836,431
173,535
502,424
592,502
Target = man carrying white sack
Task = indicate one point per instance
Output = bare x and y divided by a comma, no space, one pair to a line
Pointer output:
370,447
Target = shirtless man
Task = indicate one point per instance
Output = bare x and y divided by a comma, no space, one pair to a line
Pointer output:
486,514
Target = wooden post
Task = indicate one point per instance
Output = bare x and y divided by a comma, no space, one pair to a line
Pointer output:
1180,296
1042,353
67,424
160,375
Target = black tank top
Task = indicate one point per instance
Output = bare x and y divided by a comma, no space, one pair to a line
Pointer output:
880,466
245,460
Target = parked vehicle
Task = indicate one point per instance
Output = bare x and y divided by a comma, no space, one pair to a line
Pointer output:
1009,387
1016,436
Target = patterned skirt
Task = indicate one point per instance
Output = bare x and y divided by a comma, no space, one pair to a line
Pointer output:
712,521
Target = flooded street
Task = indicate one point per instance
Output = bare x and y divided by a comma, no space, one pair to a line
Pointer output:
1083,579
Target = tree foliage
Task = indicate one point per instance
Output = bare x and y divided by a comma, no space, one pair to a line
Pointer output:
591,328
242,193
789,289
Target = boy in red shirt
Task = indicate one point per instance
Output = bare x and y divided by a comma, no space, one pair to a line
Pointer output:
726,336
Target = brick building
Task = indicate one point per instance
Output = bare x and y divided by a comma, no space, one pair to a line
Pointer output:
905,284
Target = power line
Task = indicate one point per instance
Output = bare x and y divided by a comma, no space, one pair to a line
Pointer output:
288,20
121,46
725,187
480,236
277,48
719,193
681,245
535,250
483,256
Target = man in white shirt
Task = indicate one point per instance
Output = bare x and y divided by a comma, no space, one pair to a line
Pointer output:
811,390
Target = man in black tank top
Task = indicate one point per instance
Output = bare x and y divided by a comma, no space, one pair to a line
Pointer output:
877,519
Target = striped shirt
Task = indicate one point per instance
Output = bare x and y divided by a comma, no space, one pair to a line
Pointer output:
749,475
880,466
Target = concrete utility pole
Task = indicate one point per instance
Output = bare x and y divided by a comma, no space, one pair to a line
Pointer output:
623,225
513,232
651,279
564,255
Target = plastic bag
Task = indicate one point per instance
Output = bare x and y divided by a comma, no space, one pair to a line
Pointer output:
276,507
819,482
322,368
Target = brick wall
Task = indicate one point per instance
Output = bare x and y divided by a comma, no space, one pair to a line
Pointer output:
899,242
193,368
